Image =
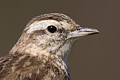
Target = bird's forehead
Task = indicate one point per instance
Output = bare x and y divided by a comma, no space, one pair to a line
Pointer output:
43,24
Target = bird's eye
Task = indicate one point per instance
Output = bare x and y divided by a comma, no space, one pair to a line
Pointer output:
51,28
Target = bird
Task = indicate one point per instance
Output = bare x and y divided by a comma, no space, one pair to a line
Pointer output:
41,51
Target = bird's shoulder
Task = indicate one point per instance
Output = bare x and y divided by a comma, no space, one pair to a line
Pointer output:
25,67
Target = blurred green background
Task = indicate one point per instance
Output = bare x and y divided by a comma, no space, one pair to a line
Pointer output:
94,57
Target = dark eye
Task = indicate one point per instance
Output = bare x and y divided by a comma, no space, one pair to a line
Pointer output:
52,28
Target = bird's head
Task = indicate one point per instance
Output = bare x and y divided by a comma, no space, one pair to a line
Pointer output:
51,34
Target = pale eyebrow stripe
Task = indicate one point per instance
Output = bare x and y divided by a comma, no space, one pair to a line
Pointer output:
40,25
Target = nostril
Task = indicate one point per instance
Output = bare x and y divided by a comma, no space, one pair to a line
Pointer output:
79,28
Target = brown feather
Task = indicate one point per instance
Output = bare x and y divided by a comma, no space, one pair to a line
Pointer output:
25,67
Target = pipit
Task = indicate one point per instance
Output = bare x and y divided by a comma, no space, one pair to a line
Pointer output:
42,50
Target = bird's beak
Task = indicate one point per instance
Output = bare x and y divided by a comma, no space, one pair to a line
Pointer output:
80,31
